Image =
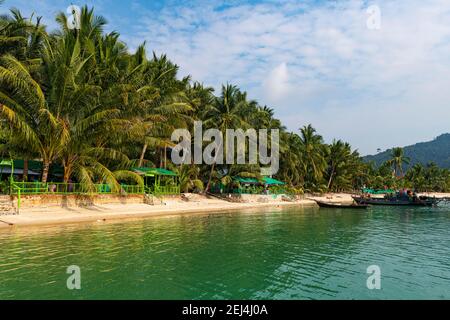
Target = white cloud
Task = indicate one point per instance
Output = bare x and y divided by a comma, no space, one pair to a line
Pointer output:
277,86
321,64
318,63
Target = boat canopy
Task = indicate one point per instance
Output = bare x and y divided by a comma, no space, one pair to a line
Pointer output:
373,191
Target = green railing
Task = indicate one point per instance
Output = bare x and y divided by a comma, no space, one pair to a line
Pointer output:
76,188
168,190
133,189
35,188
164,190
69,188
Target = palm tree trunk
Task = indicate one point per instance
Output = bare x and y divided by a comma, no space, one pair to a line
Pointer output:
210,177
212,169
141,159
331,179
25,170
67,173
165,157
45,170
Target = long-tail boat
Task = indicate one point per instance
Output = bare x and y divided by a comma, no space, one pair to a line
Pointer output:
398,199
336,205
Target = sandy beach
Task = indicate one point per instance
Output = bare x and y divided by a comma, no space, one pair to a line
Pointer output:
52,215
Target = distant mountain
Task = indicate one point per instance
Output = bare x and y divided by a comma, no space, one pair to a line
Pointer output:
437,151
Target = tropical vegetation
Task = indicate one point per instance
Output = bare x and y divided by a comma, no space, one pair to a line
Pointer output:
81,99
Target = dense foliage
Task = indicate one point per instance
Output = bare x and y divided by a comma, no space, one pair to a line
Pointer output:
80,99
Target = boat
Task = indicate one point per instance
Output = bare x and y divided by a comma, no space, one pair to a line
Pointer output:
341,205
398,199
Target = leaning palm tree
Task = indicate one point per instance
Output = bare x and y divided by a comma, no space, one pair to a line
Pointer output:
339,156
227,112
23,104
80,103
313,152
291,169
398,159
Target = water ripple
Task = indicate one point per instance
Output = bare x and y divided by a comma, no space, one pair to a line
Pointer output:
290,254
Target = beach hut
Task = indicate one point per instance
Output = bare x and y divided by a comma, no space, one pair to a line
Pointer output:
16,169
255,186
159,181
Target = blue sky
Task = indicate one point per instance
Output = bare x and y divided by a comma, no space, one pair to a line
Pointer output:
312,61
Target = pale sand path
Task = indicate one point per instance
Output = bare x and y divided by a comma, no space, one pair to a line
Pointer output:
334,198
435,194
58,215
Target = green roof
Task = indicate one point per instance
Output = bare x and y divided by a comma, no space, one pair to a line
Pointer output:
33,165
7,163
246,180
372,191
272,181
265,180
151,172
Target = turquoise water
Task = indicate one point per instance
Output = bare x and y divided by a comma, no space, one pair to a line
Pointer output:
275,254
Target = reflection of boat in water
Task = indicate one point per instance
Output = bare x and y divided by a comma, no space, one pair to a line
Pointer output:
398,199
341,205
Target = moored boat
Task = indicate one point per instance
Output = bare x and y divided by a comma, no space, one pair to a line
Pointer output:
398,199
341,205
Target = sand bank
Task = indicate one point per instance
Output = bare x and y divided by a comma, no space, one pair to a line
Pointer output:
41,215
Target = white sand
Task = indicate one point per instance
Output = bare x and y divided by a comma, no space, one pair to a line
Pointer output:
197,205
334,198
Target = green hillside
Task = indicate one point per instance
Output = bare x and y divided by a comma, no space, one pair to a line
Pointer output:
437,151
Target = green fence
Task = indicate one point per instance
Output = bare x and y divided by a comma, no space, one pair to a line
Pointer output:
35,188
70,188
163,190
76,188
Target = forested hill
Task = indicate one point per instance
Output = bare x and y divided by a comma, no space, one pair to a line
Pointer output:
437,151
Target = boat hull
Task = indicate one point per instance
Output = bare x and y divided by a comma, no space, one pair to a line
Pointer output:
341,206
394,202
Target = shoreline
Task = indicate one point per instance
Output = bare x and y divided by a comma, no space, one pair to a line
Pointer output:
41,216
48,215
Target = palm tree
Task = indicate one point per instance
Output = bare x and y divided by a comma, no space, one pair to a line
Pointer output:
80,99
21,37
416,175
339,157
313,152
397,160
189,178
291,168
227,112
58,113
24,106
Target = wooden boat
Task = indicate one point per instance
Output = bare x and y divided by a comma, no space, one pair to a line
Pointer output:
398,201
341,205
